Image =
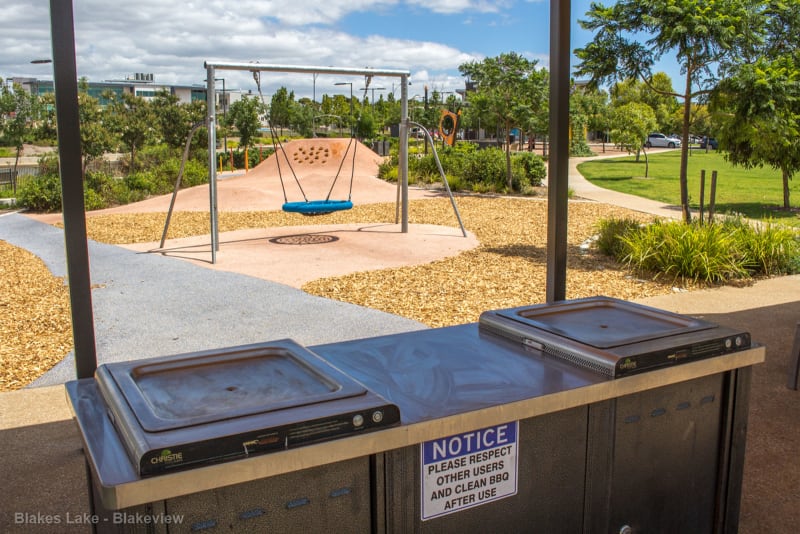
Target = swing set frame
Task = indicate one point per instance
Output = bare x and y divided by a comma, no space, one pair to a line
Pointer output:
401,204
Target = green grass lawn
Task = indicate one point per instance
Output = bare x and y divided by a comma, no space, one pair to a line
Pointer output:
755,193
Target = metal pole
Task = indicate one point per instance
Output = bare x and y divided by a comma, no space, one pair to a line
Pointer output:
65,83
212,161
403,153
442,174
558,174
178,181
306,69
224,115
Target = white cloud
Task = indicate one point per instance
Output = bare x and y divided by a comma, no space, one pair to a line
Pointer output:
173,39
460,6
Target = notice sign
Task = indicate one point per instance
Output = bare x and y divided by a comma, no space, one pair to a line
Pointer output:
469,469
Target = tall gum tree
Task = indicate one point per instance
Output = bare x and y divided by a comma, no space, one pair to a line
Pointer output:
704,36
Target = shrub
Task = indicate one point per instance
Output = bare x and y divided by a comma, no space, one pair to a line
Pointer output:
711,252
610,234
767,248
41,193
92,200
485,170
144,181
423,168
528,168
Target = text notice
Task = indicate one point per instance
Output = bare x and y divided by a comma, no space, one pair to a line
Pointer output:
469,469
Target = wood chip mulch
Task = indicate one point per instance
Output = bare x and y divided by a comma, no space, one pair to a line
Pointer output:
35,326
507,269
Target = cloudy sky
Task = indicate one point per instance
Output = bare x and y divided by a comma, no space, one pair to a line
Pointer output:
172,39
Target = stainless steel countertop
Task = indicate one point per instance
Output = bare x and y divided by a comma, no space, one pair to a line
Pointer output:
445,381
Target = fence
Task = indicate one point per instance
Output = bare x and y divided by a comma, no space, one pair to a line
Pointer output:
11,181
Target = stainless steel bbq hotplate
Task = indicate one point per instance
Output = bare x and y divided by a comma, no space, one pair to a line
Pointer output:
191,409
612,336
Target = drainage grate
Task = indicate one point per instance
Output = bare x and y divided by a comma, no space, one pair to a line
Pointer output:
304,239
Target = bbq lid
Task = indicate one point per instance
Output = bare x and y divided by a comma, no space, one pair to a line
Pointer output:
604,322
185,390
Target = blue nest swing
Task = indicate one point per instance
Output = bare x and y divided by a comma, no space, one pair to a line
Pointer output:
317,207
306,206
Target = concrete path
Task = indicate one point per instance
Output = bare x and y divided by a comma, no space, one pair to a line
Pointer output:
583,188
147,305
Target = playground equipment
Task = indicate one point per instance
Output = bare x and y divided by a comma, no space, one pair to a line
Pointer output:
441,173
401,212
448,126
402,183
309,207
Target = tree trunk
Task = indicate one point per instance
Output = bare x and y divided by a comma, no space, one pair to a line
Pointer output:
509,180
786,178
14,172
687,108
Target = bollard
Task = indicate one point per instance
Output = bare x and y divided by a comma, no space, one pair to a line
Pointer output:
702,192
712,196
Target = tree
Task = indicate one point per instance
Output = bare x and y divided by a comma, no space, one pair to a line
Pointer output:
630,125
703,35
172,119
16,109
365,125
301,116
131,119
661,100
758,106
585,105
244,116
510,88
280,108
96,138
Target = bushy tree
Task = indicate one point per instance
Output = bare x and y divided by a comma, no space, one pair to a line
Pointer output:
96,138
508,87
758,105
630,125
16,120
704,36
280,108
660,98
174,120
244,116
131,119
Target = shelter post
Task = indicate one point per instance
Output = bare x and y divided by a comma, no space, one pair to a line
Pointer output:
65,83
558,173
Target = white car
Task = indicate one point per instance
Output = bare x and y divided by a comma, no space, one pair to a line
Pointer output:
660,140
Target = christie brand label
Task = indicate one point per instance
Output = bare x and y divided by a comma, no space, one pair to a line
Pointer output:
167,457
469,469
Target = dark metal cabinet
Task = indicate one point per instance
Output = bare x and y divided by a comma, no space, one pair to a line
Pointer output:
332,498
552,460
668,459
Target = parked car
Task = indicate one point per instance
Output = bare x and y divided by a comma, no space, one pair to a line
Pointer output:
660,140
709,142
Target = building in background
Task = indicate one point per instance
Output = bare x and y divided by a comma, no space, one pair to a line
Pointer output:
139,84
